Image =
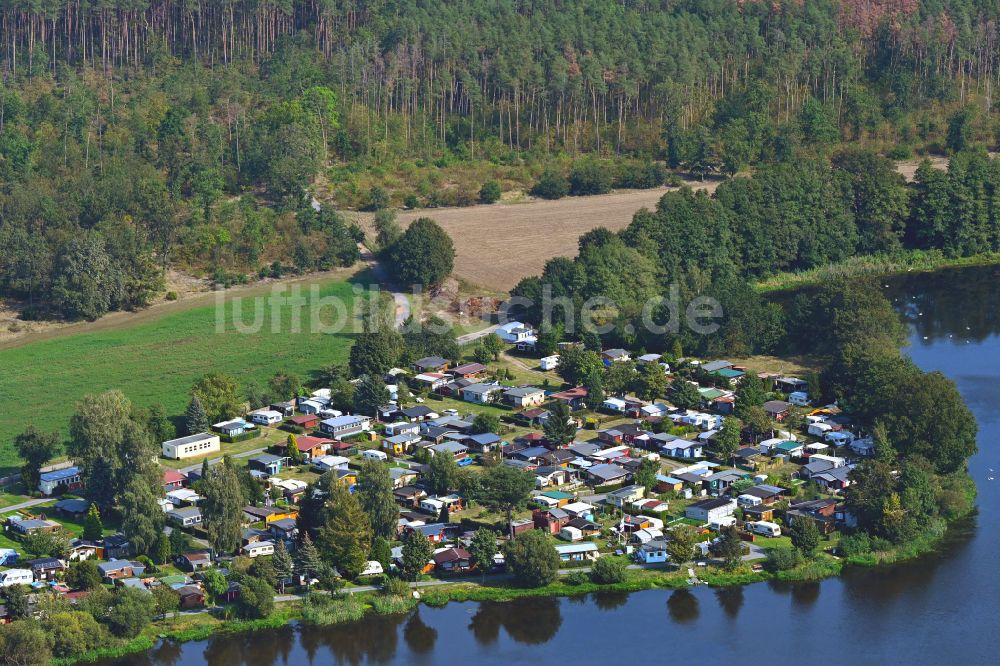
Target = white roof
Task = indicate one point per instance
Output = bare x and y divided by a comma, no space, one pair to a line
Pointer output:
289,484
184,495
332,461
578,507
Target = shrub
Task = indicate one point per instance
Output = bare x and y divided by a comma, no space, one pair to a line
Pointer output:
900,152
608,570
490,192
378,198
589,177
641,175
411,201
855,544
576,578
551,185
782,559
171,296
674,180
395,587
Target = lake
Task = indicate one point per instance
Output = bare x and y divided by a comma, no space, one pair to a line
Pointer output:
939,608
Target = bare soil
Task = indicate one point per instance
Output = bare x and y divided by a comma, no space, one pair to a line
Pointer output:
498,245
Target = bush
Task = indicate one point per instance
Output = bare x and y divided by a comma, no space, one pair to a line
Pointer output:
855,544
589,177
250,434
395,587
171,296
378,198
673,180
900,152
641,176
782,559
411,201
576,578
552,185
490,192
608,570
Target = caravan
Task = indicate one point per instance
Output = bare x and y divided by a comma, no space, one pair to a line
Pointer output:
765,528
13,577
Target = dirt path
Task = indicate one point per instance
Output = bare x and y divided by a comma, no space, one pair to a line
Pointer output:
378,270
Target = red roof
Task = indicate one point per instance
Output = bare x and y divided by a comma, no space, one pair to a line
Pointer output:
308,442
303,419
570,394
172,476
451,555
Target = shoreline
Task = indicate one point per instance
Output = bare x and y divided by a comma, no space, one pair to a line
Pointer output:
910,261
289,612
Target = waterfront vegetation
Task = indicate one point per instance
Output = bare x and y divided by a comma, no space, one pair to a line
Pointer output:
114,171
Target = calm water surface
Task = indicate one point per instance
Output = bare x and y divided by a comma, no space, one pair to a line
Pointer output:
941,608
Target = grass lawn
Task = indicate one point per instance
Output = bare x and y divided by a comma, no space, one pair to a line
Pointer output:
157,361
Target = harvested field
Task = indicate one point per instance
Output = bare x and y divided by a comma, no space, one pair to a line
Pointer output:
497,245
500,244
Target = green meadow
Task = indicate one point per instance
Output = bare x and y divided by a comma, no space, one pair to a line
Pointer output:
157,361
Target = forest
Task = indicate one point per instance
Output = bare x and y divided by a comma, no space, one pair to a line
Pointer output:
788,217
141,136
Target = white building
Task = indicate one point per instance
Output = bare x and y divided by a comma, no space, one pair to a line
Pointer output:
711,510
193,445
549,362
258,549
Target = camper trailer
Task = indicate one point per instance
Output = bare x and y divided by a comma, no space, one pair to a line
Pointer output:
13,577
765,528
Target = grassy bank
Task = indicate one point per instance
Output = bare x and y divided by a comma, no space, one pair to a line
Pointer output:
877,265
157,361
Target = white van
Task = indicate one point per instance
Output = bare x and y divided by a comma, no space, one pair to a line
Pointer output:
372,568
374,454
16,577
719,523
765,528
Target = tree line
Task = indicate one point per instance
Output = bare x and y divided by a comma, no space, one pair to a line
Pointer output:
789,216
134,137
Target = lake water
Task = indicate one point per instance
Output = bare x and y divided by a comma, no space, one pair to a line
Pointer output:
940,608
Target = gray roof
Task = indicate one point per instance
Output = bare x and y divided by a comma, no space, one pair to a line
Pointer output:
430,362
523,391
715,366
186,511
267,458
197,437
482,388
607,471
450,447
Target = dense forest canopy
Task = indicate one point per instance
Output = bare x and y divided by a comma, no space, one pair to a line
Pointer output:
137,135
791,216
